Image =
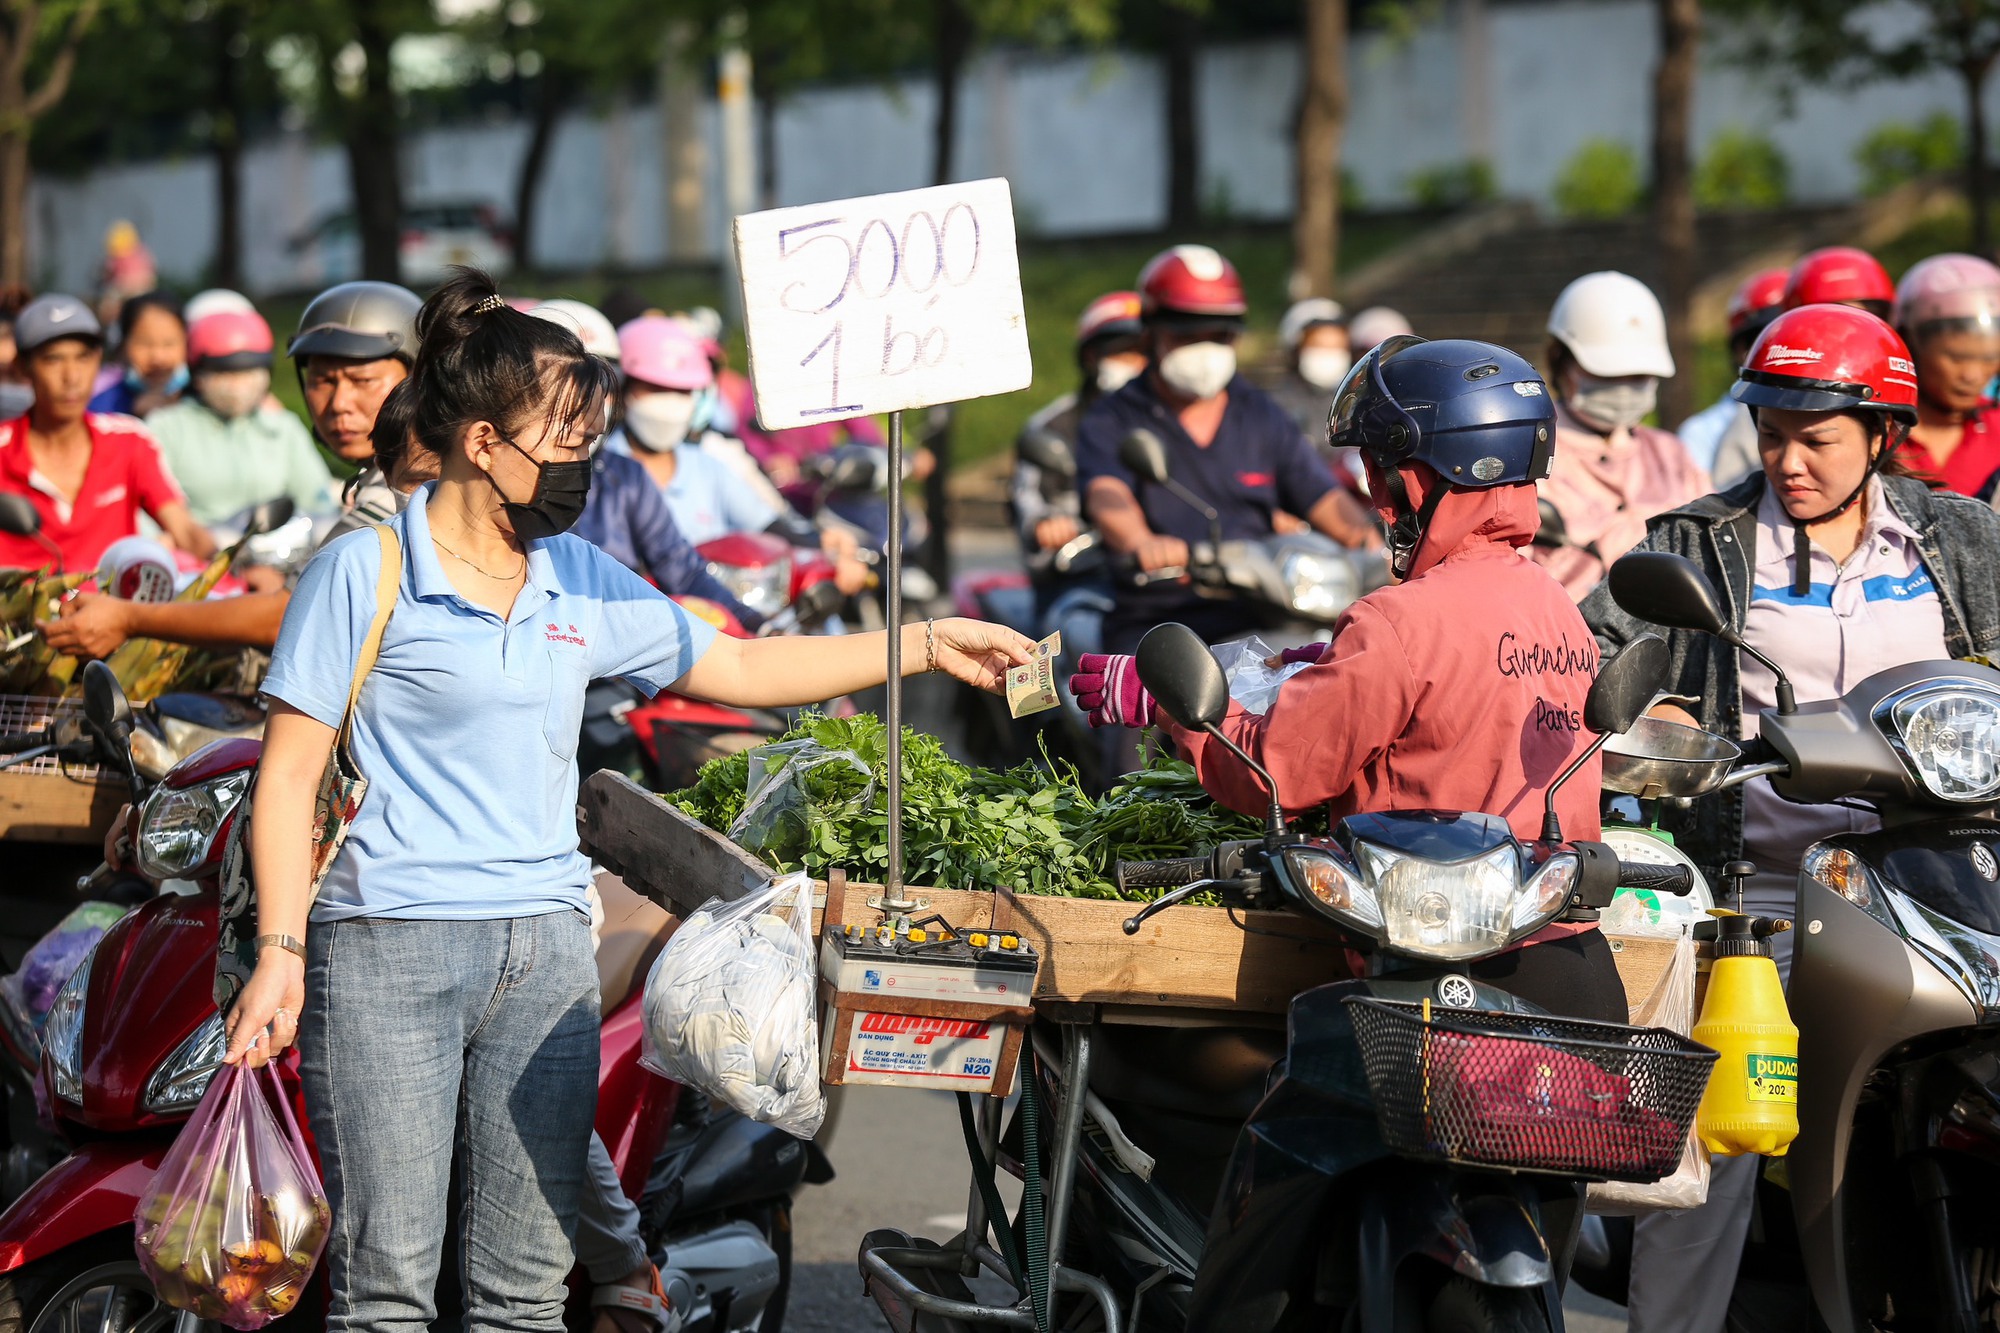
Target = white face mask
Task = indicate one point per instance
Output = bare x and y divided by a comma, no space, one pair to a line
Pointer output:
1612,405
232,393
1324,367
1199,370
659,421
1115,375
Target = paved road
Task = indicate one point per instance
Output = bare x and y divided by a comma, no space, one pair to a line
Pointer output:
901,1162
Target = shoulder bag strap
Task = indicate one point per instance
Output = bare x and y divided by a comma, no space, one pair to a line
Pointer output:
386,585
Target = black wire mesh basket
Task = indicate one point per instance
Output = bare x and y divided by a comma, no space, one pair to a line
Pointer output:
1528,1092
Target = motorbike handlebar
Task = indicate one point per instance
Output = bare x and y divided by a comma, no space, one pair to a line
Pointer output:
1647,876
15,742
1168,874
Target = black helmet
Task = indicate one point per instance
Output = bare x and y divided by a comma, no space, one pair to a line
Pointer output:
362,321
1475,414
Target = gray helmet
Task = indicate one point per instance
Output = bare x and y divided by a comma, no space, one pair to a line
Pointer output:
363,321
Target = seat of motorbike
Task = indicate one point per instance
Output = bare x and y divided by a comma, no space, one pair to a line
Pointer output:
633,931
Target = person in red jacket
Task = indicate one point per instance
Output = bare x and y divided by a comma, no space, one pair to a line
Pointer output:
1462,685
1948,311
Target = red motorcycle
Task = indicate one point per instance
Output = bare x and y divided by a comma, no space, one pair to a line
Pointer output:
134,1036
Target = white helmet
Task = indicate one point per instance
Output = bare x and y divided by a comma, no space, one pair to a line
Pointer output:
1306,314
1376,324
586,322
214,301
1613,325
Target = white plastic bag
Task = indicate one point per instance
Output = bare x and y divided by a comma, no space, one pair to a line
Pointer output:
1253,681
729,1007
1671,1006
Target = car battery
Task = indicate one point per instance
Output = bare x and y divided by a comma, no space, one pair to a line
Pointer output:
924,1006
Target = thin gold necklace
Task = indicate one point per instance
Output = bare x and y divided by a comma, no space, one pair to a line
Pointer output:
497,578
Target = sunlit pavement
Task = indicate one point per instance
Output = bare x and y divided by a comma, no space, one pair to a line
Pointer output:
901,1162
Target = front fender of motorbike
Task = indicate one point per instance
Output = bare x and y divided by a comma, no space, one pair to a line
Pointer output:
94,1190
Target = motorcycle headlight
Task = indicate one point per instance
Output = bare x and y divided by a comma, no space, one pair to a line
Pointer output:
177,824
1951,738
183,1076
1318,585
62,1033
1462,909
1335,887
765,589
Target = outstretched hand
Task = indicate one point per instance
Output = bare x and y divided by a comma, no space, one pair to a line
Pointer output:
979,652
90,625
1107,688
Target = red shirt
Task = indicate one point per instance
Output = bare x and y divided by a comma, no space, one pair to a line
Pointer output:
125,475
1972,464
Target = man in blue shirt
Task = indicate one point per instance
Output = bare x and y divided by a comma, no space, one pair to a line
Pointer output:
628,517
1228,441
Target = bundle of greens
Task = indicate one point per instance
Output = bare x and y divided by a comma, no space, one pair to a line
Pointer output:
813,800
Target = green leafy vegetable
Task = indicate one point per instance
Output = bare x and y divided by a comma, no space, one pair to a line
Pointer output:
820,804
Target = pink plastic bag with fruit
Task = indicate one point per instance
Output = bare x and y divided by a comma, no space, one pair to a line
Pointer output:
235,1219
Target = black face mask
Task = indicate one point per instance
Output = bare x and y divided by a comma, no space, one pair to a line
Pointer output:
561,491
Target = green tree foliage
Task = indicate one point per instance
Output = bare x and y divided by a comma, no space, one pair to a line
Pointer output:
1600,180
1453,185
1899,152
1741,171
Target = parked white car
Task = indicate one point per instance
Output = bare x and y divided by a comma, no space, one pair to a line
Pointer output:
435,236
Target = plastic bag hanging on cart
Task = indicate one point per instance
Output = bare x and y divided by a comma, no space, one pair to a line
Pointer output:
730,1008
235,1219
791,788
1670,1006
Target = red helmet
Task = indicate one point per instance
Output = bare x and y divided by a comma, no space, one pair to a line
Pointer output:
1839,275
1191,280
230,340
1757,301
1829,358
1112,315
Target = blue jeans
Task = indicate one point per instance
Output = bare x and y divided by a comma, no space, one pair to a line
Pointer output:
419,1037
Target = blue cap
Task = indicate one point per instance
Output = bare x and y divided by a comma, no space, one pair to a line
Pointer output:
48,318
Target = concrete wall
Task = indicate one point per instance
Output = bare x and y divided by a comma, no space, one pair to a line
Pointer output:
1080,136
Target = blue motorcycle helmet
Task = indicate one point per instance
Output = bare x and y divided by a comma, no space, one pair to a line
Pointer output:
1477,415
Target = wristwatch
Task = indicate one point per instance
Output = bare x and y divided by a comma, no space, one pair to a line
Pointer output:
290,943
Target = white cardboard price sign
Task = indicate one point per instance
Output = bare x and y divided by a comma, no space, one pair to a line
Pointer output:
861,306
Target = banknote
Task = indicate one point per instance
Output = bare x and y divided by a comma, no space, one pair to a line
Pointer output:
1032,688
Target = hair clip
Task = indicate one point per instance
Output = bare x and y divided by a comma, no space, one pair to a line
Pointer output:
492,302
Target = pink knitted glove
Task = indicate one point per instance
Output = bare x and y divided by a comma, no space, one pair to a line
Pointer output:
1107,688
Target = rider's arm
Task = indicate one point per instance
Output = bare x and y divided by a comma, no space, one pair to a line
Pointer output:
672,560
1327,723
1342,517
94,626
190,536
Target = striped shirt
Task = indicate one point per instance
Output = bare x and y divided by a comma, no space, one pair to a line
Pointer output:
1879,609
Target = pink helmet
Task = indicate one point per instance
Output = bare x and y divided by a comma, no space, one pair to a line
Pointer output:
230,340
656,349
1948,288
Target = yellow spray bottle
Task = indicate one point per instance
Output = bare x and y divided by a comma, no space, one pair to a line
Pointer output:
1752,1101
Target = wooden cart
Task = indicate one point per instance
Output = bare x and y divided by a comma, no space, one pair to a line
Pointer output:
1187,965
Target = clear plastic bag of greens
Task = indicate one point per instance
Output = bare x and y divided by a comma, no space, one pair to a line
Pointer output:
1670,1006
1253,681
794,787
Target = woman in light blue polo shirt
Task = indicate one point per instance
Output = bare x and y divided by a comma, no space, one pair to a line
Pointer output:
446,996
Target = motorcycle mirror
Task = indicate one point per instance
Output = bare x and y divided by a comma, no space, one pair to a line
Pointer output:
1553,532
1666,589
18,518
1626,685
1048,451
105,707
1187,682
269,516
1144,456
1181,674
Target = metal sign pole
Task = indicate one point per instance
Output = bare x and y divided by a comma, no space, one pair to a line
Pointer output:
893,898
